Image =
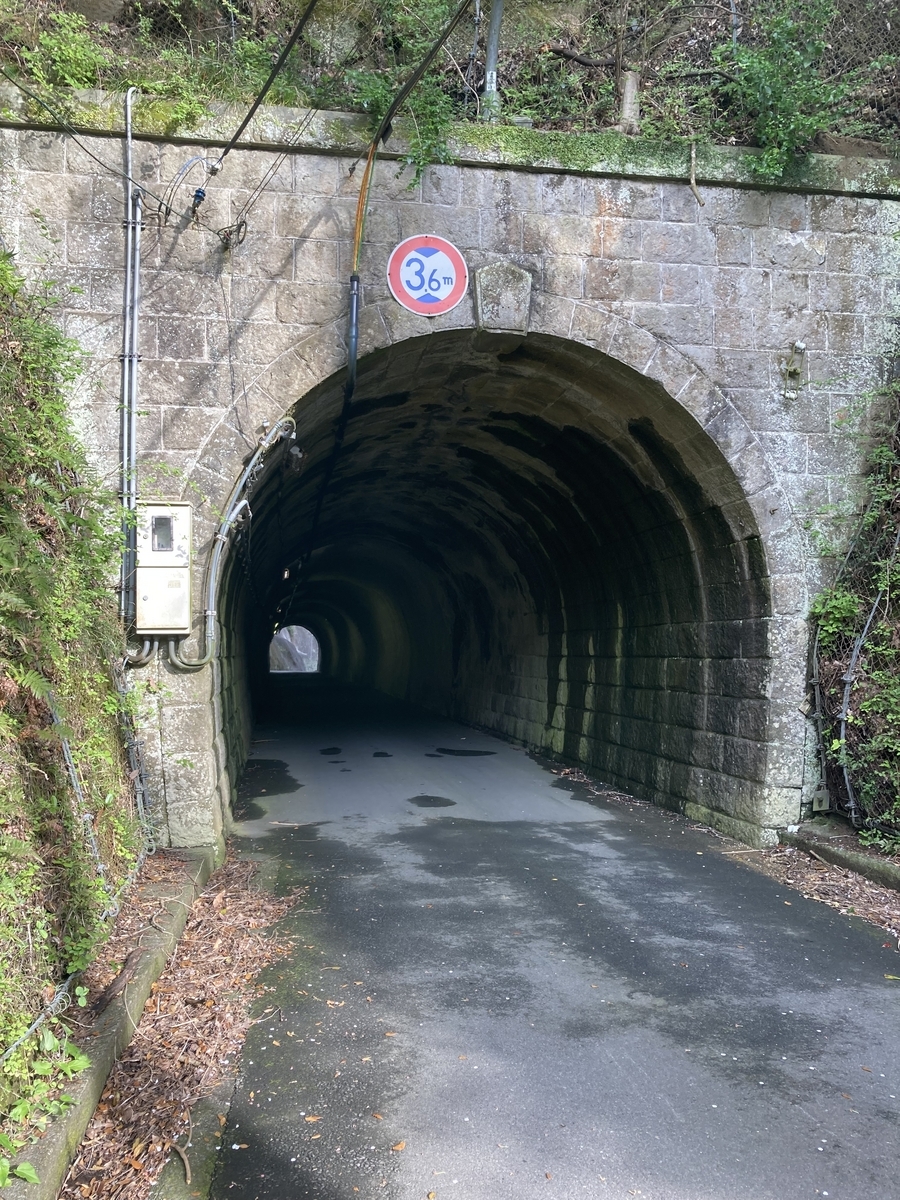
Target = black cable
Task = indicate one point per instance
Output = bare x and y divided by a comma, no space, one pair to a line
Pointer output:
282,58
60,120
384,128
288,145
382,133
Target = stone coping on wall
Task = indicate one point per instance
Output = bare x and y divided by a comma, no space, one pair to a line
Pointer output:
511,147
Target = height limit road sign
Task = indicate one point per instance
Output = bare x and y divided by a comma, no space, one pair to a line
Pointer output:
427,275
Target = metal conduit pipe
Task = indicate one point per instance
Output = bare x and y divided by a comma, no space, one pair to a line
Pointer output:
144,655
137,218
125,391
234,506
352,338
133,224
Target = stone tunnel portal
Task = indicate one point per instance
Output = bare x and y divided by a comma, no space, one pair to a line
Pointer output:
528,536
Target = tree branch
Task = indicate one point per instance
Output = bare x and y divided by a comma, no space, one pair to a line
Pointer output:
564,52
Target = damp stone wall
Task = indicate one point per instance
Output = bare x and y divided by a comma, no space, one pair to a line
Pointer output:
764,314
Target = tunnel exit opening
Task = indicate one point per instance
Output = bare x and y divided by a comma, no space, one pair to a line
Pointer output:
293,650
528,536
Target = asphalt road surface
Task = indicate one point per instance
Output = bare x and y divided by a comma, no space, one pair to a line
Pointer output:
502,989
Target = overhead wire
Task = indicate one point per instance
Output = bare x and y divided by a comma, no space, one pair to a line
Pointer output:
282,59
385,125
382,133
234,234
76,137
287,146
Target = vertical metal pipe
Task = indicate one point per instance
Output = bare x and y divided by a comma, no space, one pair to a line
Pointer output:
132,493
138,211
130,356
125,391
352,339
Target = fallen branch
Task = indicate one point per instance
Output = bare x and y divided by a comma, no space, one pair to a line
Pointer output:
184,1158
564,52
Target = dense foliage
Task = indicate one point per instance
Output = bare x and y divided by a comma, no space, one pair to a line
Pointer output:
58,629
769,73
858,657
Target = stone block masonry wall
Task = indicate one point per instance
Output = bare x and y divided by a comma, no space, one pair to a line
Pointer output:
706,303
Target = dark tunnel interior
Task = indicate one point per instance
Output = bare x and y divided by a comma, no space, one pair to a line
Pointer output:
524,535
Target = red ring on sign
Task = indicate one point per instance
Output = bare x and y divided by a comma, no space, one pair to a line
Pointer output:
401,295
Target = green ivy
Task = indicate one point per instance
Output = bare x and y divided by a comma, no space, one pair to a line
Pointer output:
835,612
775,86
58,632
858,626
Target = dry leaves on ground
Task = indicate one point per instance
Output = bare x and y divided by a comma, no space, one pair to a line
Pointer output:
851,894
193,1026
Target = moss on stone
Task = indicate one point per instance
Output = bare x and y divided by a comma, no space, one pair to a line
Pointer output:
605,153
574,151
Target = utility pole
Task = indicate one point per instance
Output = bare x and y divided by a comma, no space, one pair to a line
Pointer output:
491,97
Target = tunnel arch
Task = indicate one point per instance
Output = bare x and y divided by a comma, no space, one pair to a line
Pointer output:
528,534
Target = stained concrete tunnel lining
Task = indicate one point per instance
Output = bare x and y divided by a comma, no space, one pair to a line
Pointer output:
529,536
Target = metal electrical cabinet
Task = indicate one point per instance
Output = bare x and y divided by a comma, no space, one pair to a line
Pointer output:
163,570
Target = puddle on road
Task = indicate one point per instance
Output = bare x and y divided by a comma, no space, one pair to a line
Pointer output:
263,777
382,754
431,801
463,753
331,750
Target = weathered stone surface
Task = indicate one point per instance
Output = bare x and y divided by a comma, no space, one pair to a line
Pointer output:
502,298
613,276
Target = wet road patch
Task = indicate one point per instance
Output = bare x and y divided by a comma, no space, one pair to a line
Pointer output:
464,753
267,777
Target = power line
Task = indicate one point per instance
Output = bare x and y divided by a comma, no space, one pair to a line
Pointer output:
382,133
60,120
282,59
293,140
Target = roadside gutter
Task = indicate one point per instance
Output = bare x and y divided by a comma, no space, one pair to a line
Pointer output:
111,1032
822,842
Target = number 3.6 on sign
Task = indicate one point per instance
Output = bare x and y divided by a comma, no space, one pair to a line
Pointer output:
427,275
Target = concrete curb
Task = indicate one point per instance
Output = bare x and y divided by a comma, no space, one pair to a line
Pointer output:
202,1151
112,1032
885,873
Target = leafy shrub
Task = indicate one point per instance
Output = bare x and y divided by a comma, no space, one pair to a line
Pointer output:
777,82
66,54
58,629
858,667
835,612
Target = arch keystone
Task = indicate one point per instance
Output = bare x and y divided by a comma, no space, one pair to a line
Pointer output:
503,298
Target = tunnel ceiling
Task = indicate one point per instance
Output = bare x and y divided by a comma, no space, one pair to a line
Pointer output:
528,535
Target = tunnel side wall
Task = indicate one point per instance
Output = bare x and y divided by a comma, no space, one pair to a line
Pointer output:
708,301
560,574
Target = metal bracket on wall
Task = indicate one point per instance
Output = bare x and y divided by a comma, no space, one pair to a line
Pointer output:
792,371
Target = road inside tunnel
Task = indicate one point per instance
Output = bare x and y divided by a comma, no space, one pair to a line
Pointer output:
502,987
526,535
